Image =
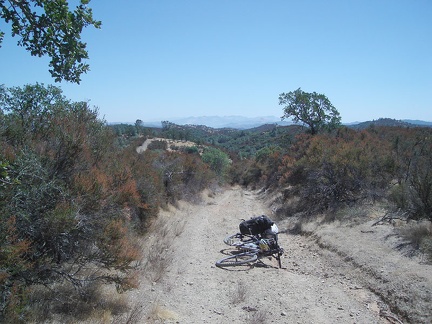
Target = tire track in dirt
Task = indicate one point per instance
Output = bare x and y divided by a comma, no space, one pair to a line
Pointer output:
193,290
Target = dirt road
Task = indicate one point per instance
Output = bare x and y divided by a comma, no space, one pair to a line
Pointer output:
183,285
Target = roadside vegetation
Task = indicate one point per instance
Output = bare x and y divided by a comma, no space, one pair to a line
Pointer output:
77,199
334,175
329,170
75,204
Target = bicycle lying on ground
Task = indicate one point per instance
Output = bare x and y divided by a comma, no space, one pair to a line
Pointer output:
250,248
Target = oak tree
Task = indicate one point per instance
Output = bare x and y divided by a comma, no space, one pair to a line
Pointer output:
53,29
313,109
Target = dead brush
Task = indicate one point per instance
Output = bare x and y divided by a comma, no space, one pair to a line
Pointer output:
161,229
415,234
258,317
240,293
179,227
159,256
155,313
158,259
420,238
135,315
63,303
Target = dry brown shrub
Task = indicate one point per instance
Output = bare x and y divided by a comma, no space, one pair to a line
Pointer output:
120,246
127,193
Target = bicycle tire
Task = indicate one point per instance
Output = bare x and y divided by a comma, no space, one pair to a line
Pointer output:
238,239
232,239
237,259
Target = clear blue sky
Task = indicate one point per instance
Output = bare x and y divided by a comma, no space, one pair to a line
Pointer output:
163,59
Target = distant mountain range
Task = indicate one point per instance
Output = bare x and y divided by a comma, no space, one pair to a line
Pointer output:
237,122
241,122
391,122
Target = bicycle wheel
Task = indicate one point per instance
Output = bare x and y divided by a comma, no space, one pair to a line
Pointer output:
237,259
233,240
239,239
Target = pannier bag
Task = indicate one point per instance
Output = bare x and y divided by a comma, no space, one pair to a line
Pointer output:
256,225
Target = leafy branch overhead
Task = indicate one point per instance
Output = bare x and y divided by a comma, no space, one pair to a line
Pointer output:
51,28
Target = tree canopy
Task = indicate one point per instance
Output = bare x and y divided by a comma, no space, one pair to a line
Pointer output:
312,109
51,28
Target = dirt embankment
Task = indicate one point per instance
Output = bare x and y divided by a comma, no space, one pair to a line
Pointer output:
338,274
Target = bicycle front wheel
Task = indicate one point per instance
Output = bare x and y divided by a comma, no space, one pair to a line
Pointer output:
237,259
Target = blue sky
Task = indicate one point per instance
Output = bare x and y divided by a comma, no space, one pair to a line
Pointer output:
165,59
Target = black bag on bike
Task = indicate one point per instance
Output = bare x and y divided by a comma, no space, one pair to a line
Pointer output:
256,225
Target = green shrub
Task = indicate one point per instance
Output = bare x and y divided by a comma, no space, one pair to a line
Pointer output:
217,160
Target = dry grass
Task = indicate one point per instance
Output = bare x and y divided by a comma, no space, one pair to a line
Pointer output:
159,257
419,236
258,317
63,303
158,314
135,315
240,293
179,227
354,215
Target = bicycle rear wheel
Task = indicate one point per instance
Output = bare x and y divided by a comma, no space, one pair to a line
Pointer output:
237,259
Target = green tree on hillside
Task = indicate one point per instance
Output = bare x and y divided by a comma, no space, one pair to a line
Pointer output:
217,160
312,109
46,27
